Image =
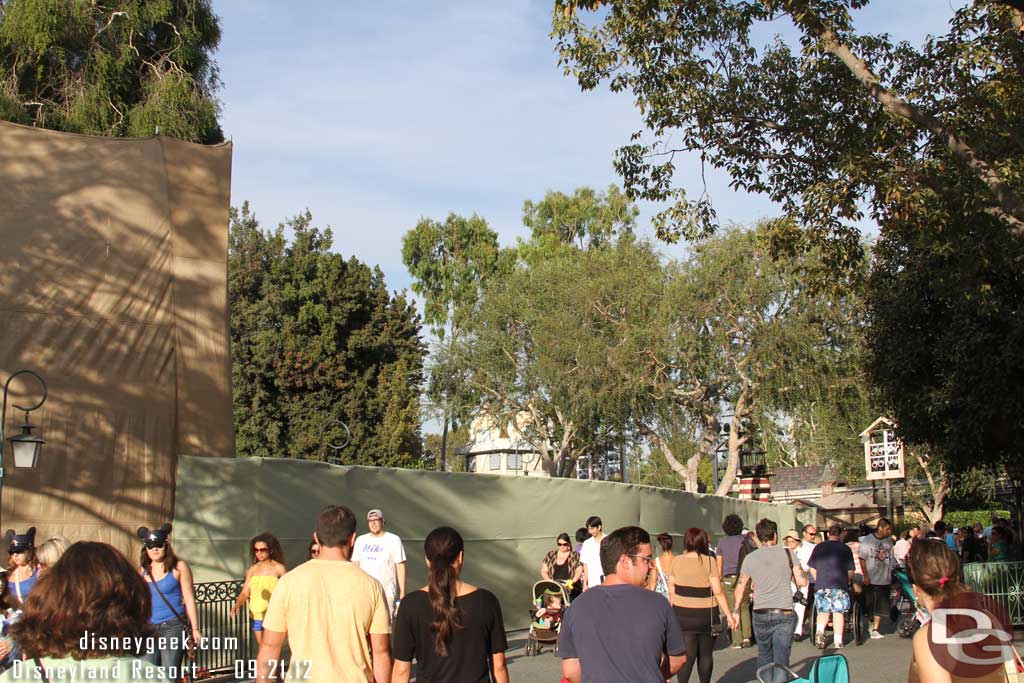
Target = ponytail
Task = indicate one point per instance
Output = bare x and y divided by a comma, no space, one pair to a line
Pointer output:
442,548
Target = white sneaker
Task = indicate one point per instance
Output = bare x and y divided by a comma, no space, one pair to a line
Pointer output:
875,635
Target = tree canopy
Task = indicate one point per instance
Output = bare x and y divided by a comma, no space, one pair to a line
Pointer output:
451,263
117,68
316,339
841,123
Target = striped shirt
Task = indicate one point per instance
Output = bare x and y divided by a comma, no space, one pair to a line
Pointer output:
693,602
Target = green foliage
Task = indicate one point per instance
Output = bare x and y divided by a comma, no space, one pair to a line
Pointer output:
946,329
961,518
584,220
457,438
118,68
316,338
742,335
925,140
450,262
838,123
551,342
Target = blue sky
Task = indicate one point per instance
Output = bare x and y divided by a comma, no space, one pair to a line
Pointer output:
373,115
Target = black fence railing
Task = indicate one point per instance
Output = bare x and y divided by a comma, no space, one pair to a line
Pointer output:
229,642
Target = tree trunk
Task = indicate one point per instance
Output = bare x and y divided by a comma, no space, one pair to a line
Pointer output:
444,443
938,484
735,443
1010,205
687,472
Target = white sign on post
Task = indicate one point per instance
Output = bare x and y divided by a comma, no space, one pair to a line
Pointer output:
883,452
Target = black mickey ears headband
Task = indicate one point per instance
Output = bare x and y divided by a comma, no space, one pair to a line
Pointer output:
160,534
25,540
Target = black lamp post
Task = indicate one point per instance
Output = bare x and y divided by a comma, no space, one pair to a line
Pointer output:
1015,473
335,447
26,445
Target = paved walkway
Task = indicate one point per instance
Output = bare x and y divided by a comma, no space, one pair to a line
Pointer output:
877,661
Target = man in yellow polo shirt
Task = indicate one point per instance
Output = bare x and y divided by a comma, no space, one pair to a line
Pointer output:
327,607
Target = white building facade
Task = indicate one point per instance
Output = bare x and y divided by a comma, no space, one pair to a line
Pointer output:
494,448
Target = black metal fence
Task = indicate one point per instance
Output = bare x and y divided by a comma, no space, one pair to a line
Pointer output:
230,646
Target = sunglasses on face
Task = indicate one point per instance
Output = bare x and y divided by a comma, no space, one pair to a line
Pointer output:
261,550
155,546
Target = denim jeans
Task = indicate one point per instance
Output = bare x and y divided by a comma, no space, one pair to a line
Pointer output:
774,633
169,656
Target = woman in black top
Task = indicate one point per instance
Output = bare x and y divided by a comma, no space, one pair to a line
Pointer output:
452,629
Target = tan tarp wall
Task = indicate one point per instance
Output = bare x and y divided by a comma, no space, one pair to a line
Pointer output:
113,272
509,523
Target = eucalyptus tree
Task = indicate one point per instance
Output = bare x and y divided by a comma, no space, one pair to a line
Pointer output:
450,263
552,346
828,126
745,340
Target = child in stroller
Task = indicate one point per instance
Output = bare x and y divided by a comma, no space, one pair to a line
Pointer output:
549,600
550,612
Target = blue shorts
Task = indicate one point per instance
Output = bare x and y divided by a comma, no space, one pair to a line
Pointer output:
831,600
257,624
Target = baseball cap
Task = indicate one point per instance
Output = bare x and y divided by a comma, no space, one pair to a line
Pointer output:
791,534
374,514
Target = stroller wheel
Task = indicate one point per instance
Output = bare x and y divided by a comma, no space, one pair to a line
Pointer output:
906,626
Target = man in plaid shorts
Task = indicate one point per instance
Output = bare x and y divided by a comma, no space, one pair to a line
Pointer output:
831,565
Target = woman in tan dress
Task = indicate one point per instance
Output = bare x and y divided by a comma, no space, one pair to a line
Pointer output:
935,572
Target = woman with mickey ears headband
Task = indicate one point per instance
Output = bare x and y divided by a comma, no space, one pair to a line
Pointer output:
22,574
21,565
174,615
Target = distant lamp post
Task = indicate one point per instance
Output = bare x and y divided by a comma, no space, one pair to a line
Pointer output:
26,446
333,446
1015,473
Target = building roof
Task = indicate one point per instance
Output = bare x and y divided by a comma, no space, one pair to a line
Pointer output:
800,478
844,500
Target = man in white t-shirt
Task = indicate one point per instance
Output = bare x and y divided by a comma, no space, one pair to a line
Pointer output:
381,555
590,554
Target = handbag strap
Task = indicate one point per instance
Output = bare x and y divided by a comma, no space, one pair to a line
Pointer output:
42,671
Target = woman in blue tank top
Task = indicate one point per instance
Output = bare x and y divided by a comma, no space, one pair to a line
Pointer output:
174,614
22,574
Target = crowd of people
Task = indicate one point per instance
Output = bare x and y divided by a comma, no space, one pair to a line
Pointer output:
84,610
757,584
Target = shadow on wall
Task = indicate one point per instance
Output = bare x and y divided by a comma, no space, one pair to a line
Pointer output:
509,523
113,287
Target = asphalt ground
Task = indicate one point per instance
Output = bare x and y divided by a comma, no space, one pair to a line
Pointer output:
878,661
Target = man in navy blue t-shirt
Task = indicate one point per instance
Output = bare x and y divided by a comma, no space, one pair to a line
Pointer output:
620,632
832,566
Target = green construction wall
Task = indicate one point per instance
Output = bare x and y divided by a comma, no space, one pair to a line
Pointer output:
509,523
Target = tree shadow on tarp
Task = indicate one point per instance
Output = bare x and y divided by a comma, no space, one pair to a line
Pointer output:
113,288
